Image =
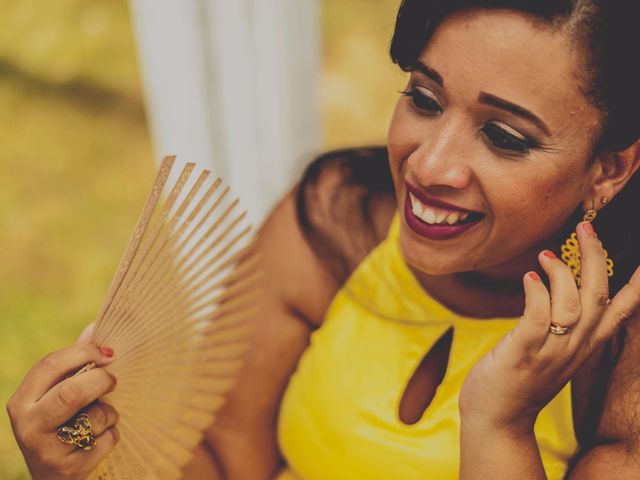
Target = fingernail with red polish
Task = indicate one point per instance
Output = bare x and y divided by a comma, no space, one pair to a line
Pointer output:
534,276
588,229
549,253
106,351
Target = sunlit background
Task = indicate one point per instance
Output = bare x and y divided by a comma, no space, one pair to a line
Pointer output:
76,158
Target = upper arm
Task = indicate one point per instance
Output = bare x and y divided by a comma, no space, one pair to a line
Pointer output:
308,245
614,462
292,295
616,450
620,420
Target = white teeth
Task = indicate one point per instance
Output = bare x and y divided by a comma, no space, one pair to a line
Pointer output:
433,215
440,216
452,218
429,215
416,206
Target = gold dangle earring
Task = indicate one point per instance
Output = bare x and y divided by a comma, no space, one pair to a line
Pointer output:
571,251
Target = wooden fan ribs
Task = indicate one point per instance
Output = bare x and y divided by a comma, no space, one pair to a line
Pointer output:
174,275
130,274
230,290
179,317
134,243
165,265
135,269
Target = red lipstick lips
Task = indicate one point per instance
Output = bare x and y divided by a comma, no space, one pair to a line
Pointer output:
436,231
434,202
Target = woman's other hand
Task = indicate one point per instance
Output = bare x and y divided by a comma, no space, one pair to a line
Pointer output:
510,385
51,396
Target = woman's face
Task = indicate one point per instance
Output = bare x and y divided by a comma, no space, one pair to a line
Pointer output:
493,122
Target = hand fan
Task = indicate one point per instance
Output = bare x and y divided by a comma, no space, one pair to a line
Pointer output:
178,316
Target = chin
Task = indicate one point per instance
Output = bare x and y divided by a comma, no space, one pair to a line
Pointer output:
428,264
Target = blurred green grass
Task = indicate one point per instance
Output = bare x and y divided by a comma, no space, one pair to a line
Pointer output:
75,166
76,160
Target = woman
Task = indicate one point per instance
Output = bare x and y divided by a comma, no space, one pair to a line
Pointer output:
519,116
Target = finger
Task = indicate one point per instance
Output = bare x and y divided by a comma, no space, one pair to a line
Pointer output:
87,460
87,333
531,331
594,288
56,366
102,416
63,401
624,305
565,300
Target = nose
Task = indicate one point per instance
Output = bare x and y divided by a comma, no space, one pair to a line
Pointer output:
440,158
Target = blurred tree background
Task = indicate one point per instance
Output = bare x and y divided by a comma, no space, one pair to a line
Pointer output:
76,160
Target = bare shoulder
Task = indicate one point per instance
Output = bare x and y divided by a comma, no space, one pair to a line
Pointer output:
344,206
323,229
294,274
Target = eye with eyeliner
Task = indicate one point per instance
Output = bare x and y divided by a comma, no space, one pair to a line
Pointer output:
500,138
423,100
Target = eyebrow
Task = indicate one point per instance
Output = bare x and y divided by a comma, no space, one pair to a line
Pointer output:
487,98
503,104
429,72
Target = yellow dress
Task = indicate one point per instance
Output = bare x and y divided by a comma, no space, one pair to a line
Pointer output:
339,416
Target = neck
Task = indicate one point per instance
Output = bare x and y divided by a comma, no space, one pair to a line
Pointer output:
476,294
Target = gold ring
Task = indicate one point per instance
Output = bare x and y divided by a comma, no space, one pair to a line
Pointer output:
558,329
80,434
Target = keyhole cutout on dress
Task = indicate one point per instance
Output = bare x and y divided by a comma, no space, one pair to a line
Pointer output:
425,380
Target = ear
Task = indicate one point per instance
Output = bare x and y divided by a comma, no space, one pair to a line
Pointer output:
611,172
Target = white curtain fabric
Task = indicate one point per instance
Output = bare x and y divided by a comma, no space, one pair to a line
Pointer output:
233,84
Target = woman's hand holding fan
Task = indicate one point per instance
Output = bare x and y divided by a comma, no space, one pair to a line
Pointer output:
171,333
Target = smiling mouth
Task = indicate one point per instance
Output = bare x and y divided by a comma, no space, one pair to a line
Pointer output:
437,216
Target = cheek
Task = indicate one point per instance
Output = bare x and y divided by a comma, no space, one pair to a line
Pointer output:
400,142
396,135
406,130
538,203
